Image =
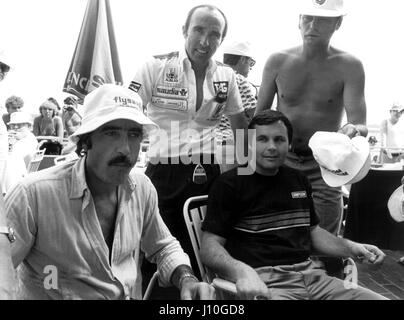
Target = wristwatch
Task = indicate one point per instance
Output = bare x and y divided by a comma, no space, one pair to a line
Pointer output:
9,232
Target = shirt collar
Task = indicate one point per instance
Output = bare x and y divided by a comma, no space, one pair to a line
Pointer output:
183,57
78,183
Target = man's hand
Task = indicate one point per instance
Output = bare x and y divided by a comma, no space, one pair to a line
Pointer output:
194,290
350,130
367,253
252,287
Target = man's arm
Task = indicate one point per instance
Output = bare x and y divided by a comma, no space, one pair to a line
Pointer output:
325,243
268,88
7,276
162,248
216,257
354,98
190,287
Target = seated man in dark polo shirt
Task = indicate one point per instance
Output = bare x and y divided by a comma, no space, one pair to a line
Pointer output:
261,229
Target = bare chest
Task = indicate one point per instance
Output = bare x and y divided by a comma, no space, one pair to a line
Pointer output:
314,85
106,214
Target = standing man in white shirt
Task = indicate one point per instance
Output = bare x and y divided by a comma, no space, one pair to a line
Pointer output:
186,93
392,135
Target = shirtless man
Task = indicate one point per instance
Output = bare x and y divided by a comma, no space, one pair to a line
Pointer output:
315,83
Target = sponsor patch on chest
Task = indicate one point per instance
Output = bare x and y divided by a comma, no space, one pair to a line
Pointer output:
171,75
299,195
221,90
173,104
172,91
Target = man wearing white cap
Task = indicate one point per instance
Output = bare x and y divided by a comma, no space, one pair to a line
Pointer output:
25,142
238,55
186,93
392,135
81,226
314,84
23,145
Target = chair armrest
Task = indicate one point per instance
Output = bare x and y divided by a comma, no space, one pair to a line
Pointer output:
224,285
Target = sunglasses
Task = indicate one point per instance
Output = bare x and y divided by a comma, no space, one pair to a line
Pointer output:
251,62
4,68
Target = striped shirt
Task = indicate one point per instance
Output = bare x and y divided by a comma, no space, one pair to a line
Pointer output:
265,220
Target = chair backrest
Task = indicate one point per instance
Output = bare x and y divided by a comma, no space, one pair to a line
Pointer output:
65,158
194,213
36,160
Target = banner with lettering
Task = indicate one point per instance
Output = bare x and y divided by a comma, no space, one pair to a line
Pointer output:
95,60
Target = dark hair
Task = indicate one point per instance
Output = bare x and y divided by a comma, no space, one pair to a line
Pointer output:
14,101
70,100
267,117
231,59
210,7
84,140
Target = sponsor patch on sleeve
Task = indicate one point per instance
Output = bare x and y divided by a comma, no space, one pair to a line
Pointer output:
299,195
135,86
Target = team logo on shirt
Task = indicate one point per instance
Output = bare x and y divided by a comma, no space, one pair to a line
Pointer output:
135,86
221,89
171,75
172,91
299,195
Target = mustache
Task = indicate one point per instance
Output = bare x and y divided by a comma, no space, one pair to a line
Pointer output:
121,160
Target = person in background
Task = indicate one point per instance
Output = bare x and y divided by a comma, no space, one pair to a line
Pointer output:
48,127
13,104
392,135
71,116
25,143
238,55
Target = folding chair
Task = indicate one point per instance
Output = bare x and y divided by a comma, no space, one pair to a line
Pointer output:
194,213
150,286
65,158
36,160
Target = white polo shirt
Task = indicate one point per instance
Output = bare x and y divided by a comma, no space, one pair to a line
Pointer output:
167,87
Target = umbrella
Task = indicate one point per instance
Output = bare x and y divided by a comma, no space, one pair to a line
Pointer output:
95,60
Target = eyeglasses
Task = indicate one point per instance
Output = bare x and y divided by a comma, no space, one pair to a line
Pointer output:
251,62
4,68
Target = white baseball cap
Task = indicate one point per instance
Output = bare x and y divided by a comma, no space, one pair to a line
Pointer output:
396,107
396,203
239,48
342,160
111,102
322,8
20,117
